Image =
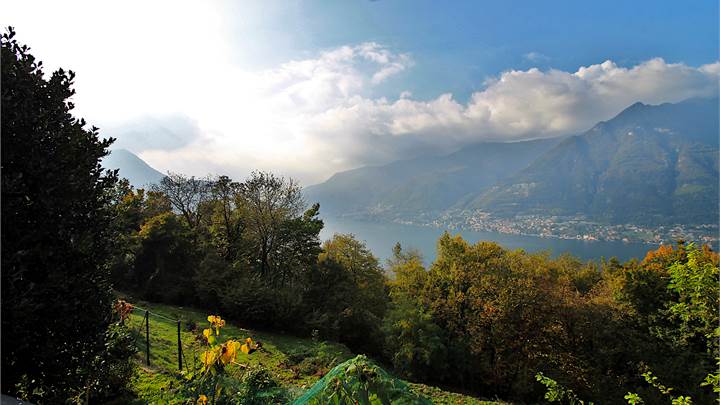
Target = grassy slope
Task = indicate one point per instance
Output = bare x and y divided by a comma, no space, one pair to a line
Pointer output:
151,384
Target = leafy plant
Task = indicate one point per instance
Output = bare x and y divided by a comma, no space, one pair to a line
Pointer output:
634,399
654,381
557,393
360,382
211,379
259,387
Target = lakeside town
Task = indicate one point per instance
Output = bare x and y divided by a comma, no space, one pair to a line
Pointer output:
576,228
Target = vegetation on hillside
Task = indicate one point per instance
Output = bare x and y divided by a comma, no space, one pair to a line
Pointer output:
290,365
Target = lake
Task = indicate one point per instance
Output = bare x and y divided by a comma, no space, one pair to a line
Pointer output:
381,237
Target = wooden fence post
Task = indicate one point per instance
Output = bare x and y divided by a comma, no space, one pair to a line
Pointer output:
179,348
147,337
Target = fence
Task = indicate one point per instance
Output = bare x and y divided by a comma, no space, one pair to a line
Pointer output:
145,327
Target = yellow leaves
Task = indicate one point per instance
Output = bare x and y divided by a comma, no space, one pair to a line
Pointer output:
249,346
208,358
202,400
219,354
123,309
207,333
216,322
229,351
661,252
223,354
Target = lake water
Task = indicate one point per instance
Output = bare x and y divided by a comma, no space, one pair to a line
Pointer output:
381,237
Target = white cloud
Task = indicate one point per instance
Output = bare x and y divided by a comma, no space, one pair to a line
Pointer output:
514,106
308,117
535,57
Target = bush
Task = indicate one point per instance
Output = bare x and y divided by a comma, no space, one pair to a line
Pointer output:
317,360
259,387
346,297
414,343
360,381
114,367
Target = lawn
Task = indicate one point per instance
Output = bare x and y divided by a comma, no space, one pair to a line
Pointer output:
296,363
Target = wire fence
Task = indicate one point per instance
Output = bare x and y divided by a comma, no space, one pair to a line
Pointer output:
140,327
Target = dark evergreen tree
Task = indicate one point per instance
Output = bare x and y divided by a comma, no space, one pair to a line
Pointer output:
56,299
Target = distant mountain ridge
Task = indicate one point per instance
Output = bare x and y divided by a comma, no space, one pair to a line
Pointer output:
131,167
648,165
651,164
424,186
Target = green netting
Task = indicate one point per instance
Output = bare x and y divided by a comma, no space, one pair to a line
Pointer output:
360,381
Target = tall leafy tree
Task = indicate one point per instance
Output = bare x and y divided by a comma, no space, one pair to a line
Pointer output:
346,294
266,202
55,222
166,258
225,225
186,194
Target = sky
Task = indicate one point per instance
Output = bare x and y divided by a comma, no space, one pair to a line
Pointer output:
309,88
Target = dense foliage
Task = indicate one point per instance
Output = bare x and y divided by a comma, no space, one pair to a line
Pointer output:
56,238
490,319
250,250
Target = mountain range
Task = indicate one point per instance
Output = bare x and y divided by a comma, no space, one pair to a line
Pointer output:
650,165
131,167
424,186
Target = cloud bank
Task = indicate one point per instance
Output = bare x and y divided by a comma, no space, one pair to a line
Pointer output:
313,117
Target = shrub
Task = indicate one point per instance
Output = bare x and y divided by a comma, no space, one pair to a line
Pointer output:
414,343
259,387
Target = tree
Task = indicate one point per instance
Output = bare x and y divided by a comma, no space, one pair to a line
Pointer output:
506,315
56,298
226,225
695,283
413,342
346,294
186,194
131,209
298,244
266,202
166,259
409,274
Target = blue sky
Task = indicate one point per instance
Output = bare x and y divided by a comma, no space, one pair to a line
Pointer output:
461,43
309,88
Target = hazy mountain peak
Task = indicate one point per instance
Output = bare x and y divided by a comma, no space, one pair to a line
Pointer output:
131,167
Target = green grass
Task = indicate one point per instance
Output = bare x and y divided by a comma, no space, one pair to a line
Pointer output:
440,397
296,363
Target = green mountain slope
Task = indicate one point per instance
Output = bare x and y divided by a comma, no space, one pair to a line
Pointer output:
648,165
